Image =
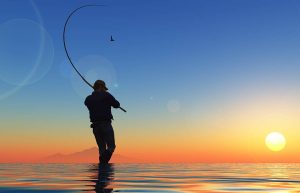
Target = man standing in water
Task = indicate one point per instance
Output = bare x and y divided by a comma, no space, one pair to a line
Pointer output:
99,104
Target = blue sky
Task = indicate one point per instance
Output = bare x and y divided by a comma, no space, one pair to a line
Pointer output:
170,57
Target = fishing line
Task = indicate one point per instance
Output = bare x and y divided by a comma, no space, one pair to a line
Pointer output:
65,45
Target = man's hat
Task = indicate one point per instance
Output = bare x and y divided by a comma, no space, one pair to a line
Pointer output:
98,84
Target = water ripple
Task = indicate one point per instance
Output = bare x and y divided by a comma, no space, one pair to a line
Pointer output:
163,178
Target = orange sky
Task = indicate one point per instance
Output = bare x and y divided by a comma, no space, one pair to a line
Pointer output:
236,133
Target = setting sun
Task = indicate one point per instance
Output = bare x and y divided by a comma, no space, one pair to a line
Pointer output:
275,141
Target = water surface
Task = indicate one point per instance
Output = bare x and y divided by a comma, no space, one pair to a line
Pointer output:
149,178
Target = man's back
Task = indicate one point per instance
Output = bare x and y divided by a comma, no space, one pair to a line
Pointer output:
99,104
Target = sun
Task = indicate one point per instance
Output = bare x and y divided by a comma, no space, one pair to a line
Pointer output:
275,141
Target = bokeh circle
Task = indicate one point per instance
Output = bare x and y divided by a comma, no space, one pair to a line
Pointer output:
26,53
93,67
25,57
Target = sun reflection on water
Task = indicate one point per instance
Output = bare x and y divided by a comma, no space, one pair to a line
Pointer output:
163,178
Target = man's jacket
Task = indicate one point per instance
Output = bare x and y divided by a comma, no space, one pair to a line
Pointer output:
99,104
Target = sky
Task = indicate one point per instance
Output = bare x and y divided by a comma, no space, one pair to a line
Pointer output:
202,80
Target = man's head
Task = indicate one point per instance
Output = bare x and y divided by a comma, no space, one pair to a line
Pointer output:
100,85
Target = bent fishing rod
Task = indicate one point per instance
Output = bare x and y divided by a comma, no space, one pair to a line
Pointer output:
65,45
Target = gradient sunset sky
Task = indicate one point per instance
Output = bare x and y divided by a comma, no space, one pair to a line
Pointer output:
202,80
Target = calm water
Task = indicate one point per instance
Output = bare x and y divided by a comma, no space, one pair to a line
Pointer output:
164,178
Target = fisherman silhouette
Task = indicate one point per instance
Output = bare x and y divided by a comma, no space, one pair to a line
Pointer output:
99,104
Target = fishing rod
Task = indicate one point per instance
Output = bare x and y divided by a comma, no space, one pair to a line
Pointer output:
65,45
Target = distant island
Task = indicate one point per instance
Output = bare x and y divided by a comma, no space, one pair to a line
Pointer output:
85,156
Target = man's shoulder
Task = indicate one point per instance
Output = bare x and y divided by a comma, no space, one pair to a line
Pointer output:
88,97
96,95
108,93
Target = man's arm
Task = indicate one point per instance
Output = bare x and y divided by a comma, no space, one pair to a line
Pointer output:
113,102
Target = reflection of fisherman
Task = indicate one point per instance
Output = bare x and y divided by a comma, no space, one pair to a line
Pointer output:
99,104
102,177
105,177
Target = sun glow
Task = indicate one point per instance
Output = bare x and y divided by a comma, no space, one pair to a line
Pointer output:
275,141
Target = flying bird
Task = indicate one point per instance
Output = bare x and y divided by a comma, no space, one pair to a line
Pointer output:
111,39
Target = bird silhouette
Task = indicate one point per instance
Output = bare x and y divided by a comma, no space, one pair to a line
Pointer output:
111,39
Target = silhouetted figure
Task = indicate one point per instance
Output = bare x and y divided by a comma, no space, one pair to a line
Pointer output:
99,104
